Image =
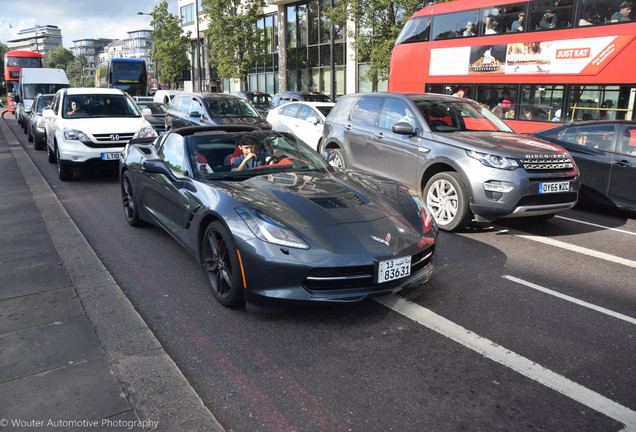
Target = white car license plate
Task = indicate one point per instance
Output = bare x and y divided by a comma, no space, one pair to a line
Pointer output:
111,156
554,187
392,269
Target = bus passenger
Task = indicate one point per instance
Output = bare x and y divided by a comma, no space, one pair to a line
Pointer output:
461,92
506,100
492,26
470,30
622,14
526,113
517,26
548,22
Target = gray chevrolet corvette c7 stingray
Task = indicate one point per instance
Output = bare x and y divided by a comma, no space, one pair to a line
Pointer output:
284,228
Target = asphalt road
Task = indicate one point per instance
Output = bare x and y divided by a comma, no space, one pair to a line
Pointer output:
522,327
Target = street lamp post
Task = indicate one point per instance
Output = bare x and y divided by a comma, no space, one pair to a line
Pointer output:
155,45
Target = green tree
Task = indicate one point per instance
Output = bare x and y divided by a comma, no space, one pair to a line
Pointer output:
234,41
171,46
77,73
60,57
378,24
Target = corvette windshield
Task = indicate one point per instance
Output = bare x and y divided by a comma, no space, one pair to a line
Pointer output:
215,155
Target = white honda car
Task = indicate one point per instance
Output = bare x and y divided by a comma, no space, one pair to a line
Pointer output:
303,119
91,126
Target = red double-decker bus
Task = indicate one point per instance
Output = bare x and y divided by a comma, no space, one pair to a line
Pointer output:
533,62
13,62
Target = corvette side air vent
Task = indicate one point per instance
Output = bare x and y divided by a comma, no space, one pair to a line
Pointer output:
341,201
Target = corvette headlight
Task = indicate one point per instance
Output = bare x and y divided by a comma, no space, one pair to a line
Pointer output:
147,132
74,134
270,230
493,161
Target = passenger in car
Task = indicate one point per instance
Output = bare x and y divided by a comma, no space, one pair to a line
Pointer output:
250,158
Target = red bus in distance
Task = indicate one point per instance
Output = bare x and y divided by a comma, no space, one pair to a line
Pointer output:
532,63
13,62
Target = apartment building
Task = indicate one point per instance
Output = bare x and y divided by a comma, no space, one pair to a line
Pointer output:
41,39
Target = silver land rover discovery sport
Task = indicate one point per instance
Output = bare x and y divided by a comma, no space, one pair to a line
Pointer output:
465,160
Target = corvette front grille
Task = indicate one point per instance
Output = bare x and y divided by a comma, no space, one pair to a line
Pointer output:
352,277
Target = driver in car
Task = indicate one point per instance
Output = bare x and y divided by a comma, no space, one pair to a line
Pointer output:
251,158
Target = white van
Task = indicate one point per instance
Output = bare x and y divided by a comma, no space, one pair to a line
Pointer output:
34,81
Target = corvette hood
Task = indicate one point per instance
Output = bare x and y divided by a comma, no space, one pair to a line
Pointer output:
347,209
506,144
314,199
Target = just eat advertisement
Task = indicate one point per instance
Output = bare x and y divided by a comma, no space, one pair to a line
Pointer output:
573,56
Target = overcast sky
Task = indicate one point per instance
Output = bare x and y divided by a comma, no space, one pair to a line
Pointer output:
78,19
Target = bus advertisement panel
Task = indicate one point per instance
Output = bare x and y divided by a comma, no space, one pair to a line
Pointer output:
14,61
527,61
126,74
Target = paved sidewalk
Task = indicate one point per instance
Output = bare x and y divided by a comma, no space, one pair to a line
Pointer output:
74,354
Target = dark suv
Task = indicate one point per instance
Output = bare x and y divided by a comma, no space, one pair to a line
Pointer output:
212,109
293,96
261,101
463,158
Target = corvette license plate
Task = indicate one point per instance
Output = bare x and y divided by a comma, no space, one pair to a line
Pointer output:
111,156
554,187
392,269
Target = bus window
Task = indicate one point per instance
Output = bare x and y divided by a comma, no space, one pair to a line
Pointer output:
543,101
455,24
551,15
589,102
595,12
513,17
500,99
416,30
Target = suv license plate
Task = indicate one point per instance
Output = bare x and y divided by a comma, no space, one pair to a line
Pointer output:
554,187
392,269
111,156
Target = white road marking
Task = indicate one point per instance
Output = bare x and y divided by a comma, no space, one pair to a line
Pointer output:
509,359
573,248
572,299
596,225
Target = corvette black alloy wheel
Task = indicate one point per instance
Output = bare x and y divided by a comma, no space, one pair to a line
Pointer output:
130,205
222,265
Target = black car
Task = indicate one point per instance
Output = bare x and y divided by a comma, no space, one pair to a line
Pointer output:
605,152
292,96
291,230
212,109
261,101
157,116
